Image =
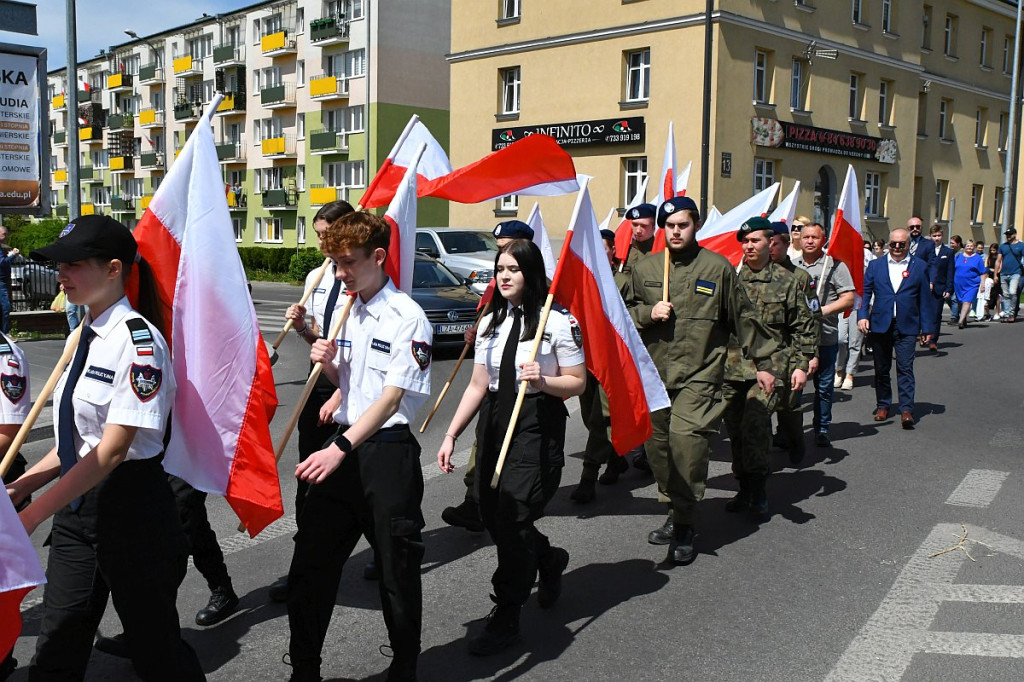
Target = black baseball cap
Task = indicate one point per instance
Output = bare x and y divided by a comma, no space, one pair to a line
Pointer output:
1010,230
90,236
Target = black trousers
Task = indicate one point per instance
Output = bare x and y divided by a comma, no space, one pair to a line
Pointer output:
529,479
126,542
202,541
377,491
312,434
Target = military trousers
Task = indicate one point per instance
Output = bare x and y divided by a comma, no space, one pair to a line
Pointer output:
594,408
748,421
202,541
680,447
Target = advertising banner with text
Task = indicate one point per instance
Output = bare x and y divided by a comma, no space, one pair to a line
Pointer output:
19,131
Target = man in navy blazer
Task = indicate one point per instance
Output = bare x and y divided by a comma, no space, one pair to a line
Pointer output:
896,309
940,274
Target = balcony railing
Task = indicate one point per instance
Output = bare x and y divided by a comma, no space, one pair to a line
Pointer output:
237,201
328,31
60,137
186,111
85,173
61,211
188,66
122,164
90,134
232,103
328,87
122,204
152,160
278,146
278,96
151,73
151,118
277,43
327,141
320,195
229,54
86,96
144,201
119,121
119,81
57,103
279,198
228,152
88,209
60,176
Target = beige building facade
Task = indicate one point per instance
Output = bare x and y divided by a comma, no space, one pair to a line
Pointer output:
914,95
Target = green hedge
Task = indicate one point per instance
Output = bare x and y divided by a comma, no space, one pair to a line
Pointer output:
304,261
268,259
31,235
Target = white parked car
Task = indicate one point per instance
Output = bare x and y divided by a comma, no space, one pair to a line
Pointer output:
468,252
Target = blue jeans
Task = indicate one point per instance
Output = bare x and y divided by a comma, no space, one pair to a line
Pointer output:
75,313
823,388
5,309
1011,293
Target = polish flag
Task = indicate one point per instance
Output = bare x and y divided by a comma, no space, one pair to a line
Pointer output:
624,232
786,210
82,85
683,180
433,164
540,238
401,218
532,166
608,220
667,180
713,215
20,572
584,284
720,236
846,243
220,433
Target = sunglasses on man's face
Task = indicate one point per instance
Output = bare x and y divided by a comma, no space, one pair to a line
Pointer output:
915,227
897,245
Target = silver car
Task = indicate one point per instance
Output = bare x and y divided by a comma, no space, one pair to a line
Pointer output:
468,252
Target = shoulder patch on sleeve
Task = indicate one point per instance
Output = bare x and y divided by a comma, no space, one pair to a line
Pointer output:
141,334
145,381
421,354
13,387
577,331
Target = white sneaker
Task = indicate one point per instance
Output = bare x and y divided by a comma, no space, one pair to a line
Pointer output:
838,381
848,383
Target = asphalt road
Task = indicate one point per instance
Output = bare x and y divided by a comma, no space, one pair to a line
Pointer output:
848,581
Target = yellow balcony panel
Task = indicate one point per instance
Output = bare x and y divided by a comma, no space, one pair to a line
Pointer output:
327,85
176,152
60,176
144,201
319,196
147,117
88,209
274,41
274,145
86,133
117,163
117,80
57,102
182,64
228,103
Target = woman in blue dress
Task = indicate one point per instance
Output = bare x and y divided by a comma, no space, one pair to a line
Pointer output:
968,275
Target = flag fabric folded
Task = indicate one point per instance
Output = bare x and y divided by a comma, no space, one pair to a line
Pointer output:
584,284
720,236
20,572
220,432
667,180
540,238
401,217
786,209
846,243
624,232
683,181
433,164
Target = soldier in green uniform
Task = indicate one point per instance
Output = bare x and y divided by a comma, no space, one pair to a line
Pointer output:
790,434
594,408
786,314
642,219
687,336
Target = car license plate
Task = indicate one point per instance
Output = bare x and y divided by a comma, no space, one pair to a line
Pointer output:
451,328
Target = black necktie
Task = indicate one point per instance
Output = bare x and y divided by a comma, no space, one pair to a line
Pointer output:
66,413
332,300
507,384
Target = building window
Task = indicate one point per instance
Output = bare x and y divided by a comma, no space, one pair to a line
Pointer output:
355,63
300,126
1004,122
941,192
257,230
873,202
856,98
510,9
976,204
509,90
887,18
275,231
353,172
983,55
634,174
238,226
798,87
997,207
300,73
1008,55
856,10
980,117
300,178
949,36
926,28
638,76
300,230
922,114
508,203
945,119
885,102
764,174
762,77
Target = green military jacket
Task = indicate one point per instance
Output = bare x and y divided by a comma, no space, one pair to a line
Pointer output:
803,279
708,306
637,250
786,314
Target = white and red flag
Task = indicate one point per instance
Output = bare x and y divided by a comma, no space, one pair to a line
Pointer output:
401,218
532,166
624,232
220,432
846,243
683,180
20,573
786,209
584,284
720,236
540,238
667,180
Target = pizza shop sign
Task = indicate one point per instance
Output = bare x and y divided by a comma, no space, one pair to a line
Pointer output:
769,132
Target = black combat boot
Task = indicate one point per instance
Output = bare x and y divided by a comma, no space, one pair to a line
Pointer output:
466,515
616,467
758,507
223,602
550,570
501,631
585,492
741,500
680,550
663,535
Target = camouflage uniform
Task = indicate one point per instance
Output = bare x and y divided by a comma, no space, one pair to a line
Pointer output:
791,418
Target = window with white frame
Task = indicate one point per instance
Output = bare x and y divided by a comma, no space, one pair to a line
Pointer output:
300,230
949,35
762,76
638,75
257,230
885,102
887,17
926,27
275,230
798,86
354,173
257,181
945,119
300,126
764,174
873,204
1008,55
300,178
983,49
997,207
980,120
272,178
856,12
634,174
355,63
300,73
333,174
300,20
238,226
353,117
509,90
856,98
510,9
976,203
509,202
941,192
1004,121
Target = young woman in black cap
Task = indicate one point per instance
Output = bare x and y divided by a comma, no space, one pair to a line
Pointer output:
115,530
533,467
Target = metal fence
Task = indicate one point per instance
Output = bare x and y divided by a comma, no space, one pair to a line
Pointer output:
33,285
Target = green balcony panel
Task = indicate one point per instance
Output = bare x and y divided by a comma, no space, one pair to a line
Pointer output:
226,151
60,136
122,204
85,173
61,211
324,139
271,95
147,72
84,96
149,159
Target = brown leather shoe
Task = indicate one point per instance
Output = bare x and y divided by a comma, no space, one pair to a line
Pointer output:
907,420
881,414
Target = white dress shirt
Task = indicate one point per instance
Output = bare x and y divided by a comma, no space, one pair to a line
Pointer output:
897,273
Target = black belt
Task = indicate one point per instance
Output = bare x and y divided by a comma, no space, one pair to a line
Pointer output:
392,434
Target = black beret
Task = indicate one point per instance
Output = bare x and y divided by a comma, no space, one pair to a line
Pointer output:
674,204
780,227
513,229
641,211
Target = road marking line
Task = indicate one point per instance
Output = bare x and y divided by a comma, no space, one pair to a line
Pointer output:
884,647
978,489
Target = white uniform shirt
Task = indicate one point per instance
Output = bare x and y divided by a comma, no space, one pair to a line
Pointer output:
123,382
561,346
318,299
14,384
385,341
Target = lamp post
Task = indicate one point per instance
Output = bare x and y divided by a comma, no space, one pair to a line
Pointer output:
164,93
1008,171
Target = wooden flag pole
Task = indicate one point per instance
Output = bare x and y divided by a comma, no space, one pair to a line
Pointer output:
664,286
40,403
302,301
314,374
522,390
451,377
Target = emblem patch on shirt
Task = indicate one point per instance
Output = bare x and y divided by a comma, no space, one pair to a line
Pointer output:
11,362
705,288
421,353
813,304
577,332
101,374
13,386
906,273
652,284
144,350
380,346
145,381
